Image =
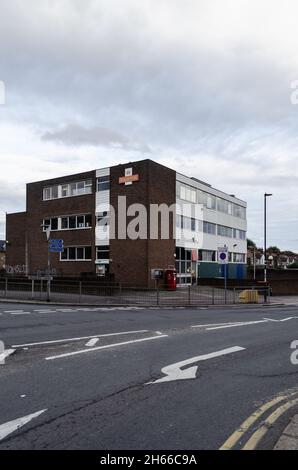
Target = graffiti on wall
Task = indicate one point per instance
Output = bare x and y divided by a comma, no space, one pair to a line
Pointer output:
17,269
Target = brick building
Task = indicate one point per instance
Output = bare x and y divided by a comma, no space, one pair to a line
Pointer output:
2,254
78,208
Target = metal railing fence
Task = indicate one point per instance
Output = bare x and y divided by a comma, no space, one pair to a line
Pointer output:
79,292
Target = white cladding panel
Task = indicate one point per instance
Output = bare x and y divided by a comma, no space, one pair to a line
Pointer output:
102,204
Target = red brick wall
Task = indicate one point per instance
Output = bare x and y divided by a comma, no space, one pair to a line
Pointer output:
37,210
16,237
132,260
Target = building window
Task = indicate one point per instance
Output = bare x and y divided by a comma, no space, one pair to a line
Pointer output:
187,193
187,223
72,222
103,183
239,211
68,222
239,234
54,223
239,258
222,205
224,231
79,188
102,252
66,190
210,228
207,255
183,261
73,253
50,193
209,201
64,223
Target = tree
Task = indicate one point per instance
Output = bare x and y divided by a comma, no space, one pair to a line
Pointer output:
250,243
293,265
273,249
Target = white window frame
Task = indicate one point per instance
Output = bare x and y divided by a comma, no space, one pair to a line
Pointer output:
66,248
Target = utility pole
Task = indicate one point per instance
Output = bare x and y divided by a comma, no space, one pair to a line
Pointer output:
48,234
265,243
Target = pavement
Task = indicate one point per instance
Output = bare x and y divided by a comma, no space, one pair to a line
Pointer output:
75,377
289,437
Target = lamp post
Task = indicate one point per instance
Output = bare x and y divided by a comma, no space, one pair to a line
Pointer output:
47,229
265,242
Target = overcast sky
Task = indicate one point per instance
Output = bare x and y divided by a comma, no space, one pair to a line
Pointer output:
202,86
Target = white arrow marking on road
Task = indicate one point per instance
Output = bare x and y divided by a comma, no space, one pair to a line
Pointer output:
92,342
11,426
5,354
174,372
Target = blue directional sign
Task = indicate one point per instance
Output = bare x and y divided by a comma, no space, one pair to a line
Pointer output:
56,246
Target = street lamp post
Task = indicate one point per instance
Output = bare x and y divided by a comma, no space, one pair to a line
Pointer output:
48,234
265,242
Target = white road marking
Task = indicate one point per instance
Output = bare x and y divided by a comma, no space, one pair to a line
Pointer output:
66,340
104,347
65,310
174,371
281,320
14,312
216,324
20,313
11,426
265,320
92,342
236,324
5,354
45,310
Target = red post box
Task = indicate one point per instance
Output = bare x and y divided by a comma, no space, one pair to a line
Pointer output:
171,279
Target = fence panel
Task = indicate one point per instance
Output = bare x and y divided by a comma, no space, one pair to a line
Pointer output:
78,292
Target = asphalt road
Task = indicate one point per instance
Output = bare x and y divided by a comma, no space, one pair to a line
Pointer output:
93,380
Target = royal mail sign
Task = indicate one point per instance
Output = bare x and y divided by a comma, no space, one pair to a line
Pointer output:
129,178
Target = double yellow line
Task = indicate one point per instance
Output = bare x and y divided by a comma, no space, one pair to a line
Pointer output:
258,435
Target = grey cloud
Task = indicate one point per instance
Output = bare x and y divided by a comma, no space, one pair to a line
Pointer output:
76,135
143,75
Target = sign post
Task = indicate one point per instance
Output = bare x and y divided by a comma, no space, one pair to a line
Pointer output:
223,258
54,246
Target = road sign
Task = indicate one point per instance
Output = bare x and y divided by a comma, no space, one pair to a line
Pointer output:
223,255
56,246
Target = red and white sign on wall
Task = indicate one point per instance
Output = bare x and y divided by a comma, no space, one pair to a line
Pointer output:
129,177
